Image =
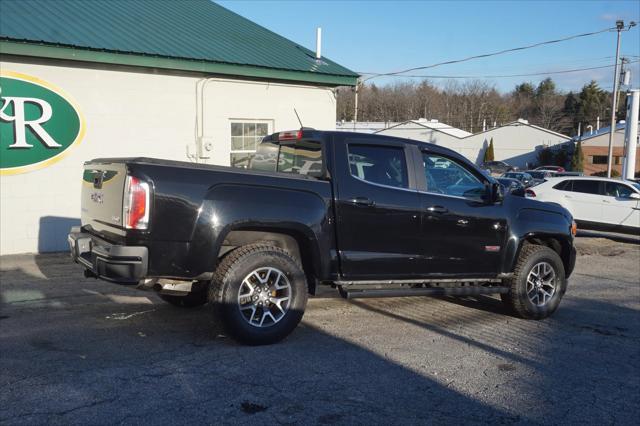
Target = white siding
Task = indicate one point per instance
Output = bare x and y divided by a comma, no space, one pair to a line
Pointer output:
516,143
137,114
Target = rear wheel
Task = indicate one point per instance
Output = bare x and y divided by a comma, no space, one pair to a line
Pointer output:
538,283
260,292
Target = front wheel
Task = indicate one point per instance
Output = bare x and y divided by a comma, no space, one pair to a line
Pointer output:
538,283
260,293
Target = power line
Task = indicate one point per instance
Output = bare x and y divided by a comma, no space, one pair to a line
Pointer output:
511,75
486,55
570,62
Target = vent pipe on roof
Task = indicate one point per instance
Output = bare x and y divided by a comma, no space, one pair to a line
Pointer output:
318,43
598,123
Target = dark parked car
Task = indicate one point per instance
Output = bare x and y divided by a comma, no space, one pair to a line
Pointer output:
540,176
513,186
525,178
371,215
498,167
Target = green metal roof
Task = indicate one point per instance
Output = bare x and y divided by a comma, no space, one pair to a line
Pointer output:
194,35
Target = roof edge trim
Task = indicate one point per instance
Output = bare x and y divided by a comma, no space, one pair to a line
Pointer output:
147,61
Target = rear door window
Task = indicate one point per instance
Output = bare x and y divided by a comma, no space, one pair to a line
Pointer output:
586,186
382,165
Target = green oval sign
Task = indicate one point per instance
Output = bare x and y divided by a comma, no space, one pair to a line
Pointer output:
38,123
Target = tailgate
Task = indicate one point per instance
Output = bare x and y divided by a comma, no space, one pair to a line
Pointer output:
102,197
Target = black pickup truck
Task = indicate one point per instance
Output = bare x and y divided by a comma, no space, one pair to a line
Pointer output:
370,215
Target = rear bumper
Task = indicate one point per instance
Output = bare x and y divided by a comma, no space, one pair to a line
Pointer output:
120,264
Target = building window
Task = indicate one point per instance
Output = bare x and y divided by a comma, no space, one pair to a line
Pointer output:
245,138
599,159
603,159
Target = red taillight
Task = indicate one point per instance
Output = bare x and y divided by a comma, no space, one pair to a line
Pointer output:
136,204
291,135
529,193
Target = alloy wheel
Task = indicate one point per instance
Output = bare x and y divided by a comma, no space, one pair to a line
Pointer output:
264,297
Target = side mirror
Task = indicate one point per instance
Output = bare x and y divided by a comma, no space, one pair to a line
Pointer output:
495,193
634,196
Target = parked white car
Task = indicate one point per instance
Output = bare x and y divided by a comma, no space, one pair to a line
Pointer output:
595,203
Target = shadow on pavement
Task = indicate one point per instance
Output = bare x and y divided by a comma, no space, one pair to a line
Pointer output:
83,351
577,363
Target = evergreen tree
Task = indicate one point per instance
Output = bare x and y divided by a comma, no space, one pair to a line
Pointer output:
488,153
577,160
546,88
545,156
593,103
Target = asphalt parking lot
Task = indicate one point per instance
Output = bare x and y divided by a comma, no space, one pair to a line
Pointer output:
81,351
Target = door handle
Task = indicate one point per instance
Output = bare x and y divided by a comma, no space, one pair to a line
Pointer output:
362,202
437,209
606,201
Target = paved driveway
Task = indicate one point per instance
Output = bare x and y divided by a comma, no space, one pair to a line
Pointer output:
79,351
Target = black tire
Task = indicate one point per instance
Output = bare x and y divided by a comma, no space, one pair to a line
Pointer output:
198,297
517,300
225,288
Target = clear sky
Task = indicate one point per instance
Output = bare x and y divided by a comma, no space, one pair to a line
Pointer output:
383,36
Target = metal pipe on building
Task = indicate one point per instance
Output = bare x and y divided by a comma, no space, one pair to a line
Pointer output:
631,134
318,42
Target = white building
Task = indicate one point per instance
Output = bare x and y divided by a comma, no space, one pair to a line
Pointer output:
425,130
517,142
364,126
195,83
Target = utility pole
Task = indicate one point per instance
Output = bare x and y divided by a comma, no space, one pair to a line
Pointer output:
614,101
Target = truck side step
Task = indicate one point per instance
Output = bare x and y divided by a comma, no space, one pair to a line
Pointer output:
429,291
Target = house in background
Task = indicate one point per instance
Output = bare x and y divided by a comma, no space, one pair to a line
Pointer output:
595,147
432,131
516,143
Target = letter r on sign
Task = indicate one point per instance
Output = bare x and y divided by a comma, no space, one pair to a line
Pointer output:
21,123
